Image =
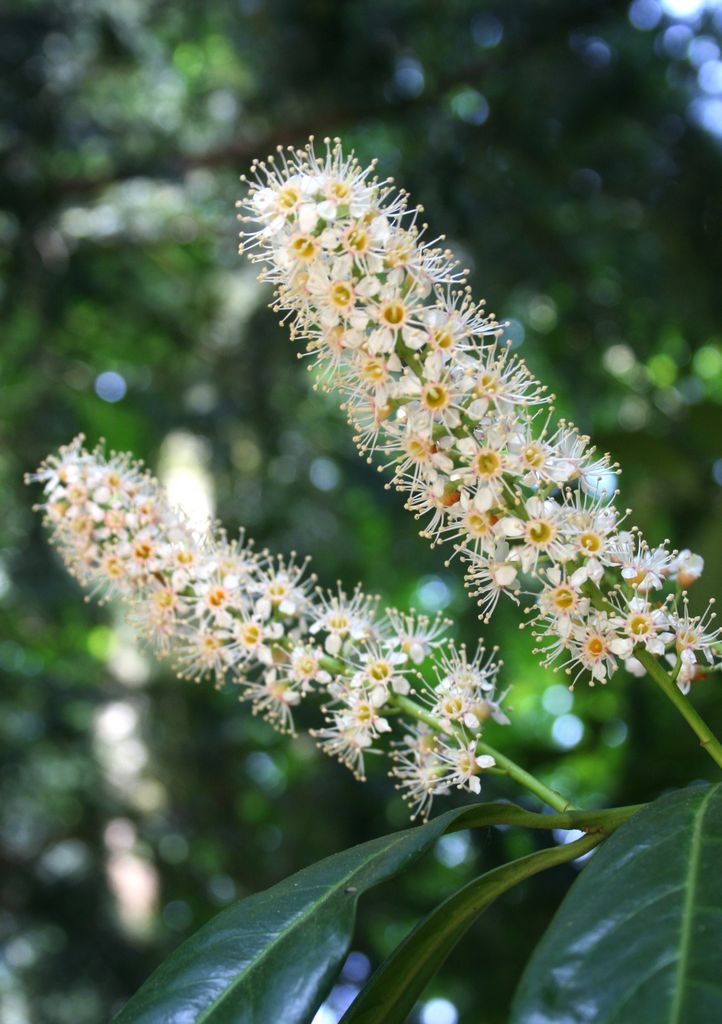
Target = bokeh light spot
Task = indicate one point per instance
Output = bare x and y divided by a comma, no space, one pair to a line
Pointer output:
357,967
439,1011
433,594
557,699
487,31
615,733
469,105
683,8
619,359
568,731
707,362
409,78
110,386
515,332
324,474
177,915
453,850
645,14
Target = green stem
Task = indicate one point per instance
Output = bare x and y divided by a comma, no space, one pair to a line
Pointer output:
420,713
393,990
545,793
511,768
482,815
707,738
597,598
409,357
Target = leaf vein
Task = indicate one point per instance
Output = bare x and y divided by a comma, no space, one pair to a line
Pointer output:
685,939
251,964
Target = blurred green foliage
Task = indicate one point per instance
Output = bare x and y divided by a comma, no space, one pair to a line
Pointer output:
571,152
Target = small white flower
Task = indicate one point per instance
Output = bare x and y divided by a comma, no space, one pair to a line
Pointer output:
464,766
686,568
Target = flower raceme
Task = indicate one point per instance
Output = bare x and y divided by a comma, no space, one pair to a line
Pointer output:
223,611
434,392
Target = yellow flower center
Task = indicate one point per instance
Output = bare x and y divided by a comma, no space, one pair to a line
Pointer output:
452,707
435,397
418,449
303,247
534,456
639,625
595,646
398,253
374,371
364,713
288,197
442,338
114,568
563,598
467,764
393,314
164,600
591,542
81,525
250,634
487,463
487,384
341,295
306,665
477,524
540,532
357,240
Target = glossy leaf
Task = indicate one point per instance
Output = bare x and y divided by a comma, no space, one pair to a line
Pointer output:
275,955
390,995
639,936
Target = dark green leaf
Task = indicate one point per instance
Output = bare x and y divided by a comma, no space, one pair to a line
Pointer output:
273,956
639,936
390,995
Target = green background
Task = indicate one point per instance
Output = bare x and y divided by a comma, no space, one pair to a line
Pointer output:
571,153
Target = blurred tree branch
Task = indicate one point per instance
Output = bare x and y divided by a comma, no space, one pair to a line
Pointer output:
577,16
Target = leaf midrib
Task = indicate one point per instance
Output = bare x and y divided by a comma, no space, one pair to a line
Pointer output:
252,964
688,908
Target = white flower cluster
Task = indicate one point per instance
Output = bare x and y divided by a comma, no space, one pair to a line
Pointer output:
431,387
226,612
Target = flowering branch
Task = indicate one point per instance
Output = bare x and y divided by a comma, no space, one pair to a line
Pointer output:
545,793
434,392
666,682
226,612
